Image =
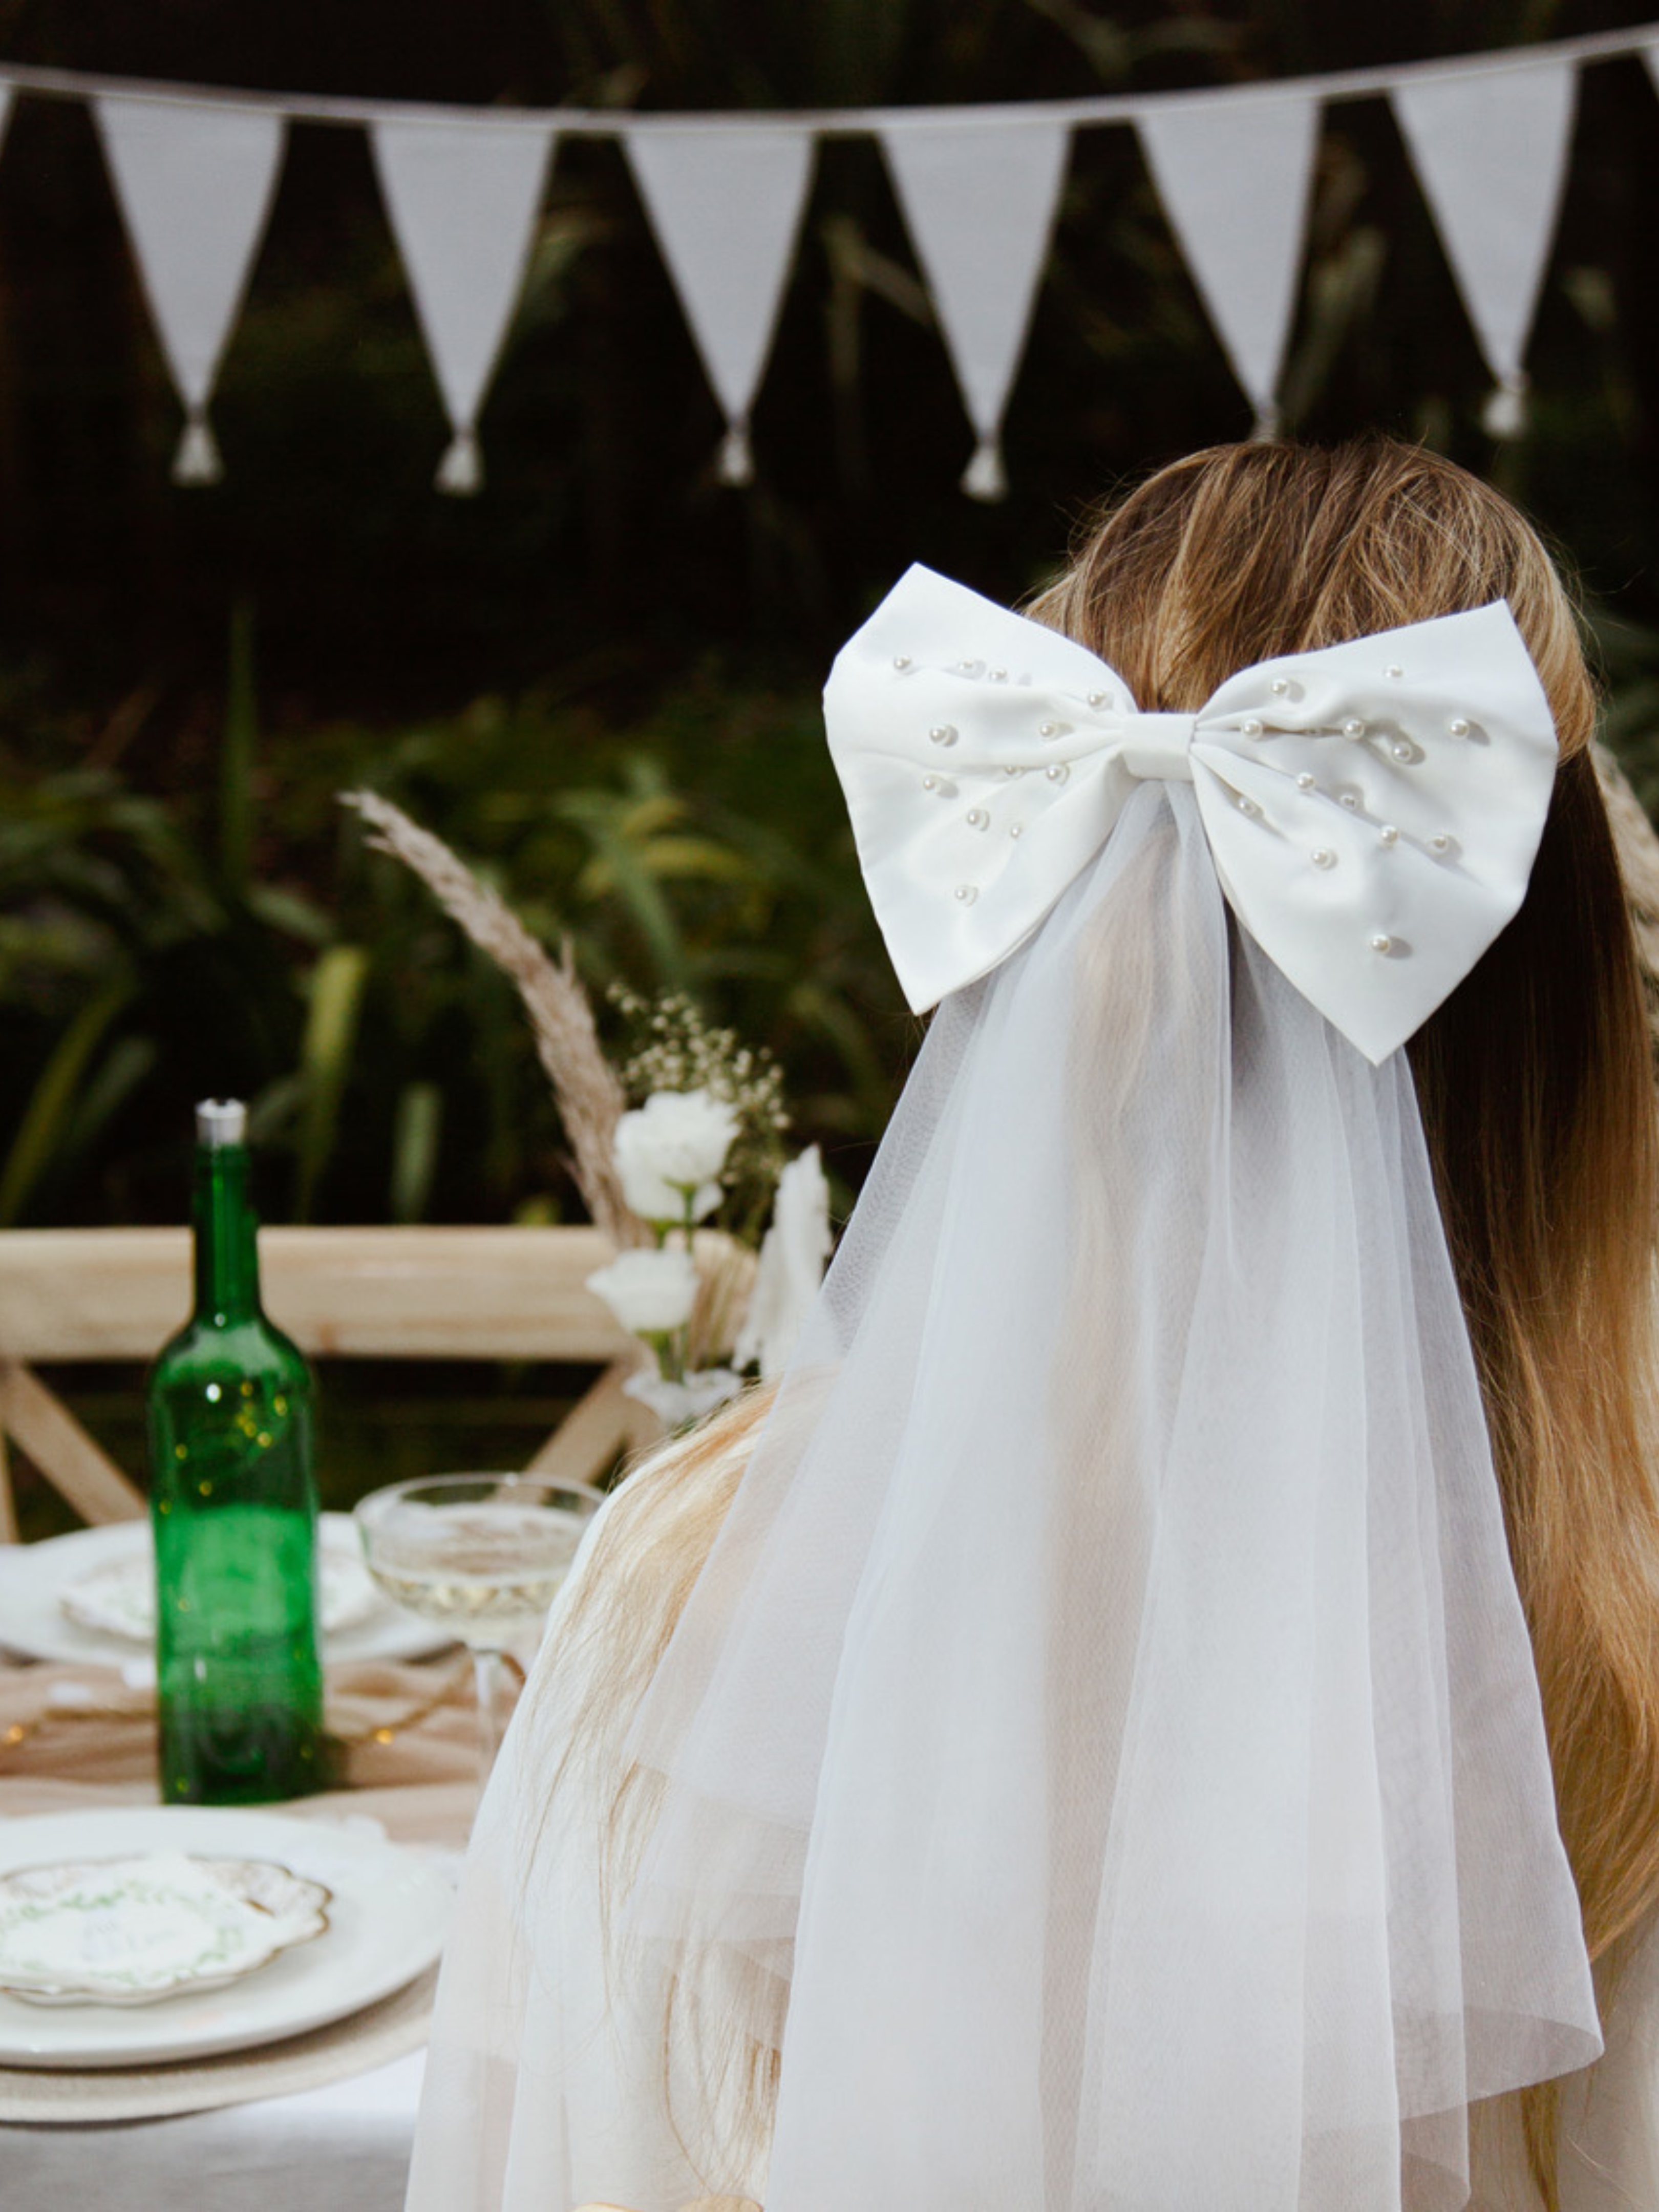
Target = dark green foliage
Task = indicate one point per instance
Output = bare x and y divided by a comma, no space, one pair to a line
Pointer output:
598,680
387,1063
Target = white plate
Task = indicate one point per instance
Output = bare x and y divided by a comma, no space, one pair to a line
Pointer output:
33,1578
118,1598
388,1913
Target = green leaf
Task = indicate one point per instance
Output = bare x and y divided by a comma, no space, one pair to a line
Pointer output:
331,1034
50,1102
287,912
130,1060
272,1111
415,1131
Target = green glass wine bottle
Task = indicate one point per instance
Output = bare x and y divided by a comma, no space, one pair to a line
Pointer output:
233,1507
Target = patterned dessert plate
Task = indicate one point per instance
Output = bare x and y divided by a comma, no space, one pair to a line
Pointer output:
357,1918
128,1931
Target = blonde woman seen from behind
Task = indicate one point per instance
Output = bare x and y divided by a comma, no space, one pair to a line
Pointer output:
1163,1700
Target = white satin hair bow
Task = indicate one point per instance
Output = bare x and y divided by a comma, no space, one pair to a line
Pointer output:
1373,808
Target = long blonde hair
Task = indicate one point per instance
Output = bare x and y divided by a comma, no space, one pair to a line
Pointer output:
1536,1088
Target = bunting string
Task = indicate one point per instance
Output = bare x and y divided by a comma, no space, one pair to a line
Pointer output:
834,122
195,169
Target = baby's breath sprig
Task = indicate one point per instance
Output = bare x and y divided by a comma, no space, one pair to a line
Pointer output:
672,1046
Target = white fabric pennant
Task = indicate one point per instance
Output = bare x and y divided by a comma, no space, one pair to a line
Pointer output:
980,202
1491,151
1234,175
727,209
462,200
194,181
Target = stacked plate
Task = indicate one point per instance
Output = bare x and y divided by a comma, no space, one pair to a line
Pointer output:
132,1936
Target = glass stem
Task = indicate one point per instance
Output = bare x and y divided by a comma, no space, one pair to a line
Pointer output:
486,1681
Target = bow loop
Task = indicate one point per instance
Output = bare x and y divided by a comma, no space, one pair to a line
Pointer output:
1373,808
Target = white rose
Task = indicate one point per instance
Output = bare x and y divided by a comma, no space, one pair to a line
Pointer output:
791,1266
649,1292
672,1147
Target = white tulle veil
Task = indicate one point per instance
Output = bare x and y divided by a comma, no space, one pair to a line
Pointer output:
1103,1747
1108,1708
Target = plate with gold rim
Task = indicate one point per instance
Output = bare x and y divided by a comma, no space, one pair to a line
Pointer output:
142,1930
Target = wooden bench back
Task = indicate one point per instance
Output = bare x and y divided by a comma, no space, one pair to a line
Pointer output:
417,1293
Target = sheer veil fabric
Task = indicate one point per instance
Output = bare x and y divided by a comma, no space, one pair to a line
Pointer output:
1103,1748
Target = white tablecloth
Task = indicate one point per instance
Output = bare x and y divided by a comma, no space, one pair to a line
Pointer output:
341,2148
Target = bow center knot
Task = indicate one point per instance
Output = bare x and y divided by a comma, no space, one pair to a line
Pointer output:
1156,746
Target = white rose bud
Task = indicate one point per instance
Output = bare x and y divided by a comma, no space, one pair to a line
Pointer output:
674,1147
649,1292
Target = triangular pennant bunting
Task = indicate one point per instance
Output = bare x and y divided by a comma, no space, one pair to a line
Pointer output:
194,170
727,207
463,199
194,181
1491,150
978,200
1234,174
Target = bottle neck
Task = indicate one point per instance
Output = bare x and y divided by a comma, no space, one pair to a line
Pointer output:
225,1226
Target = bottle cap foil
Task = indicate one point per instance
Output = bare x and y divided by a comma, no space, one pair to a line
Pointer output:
221,1121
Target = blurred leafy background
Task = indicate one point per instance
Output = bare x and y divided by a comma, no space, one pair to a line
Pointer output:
598,679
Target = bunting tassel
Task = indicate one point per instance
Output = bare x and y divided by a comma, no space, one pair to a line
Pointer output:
736,462
1506,412
461,470
196,460
985,477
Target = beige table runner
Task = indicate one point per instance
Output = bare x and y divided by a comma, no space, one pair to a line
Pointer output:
394,1727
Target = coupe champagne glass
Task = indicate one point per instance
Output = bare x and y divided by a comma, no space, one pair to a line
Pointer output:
483,1555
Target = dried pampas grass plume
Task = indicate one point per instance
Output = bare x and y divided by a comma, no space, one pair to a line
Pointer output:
590,1097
